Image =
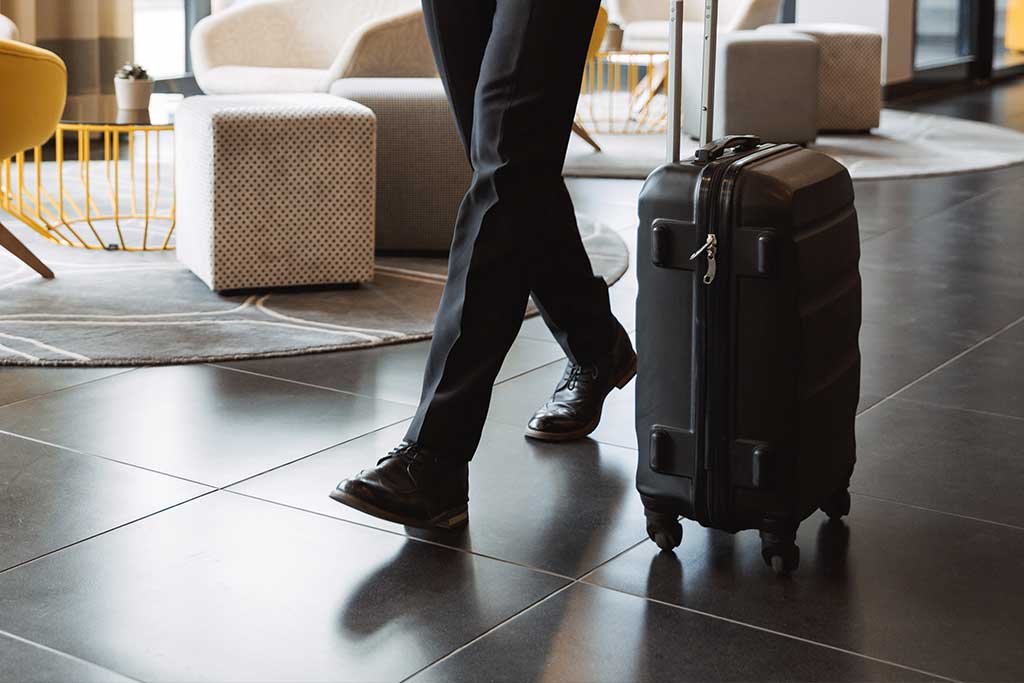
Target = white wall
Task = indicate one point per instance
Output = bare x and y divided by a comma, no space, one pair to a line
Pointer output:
894,19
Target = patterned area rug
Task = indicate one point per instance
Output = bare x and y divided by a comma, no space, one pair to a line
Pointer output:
906,145
124,308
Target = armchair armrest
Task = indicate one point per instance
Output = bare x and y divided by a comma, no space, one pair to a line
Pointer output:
8,29
391,47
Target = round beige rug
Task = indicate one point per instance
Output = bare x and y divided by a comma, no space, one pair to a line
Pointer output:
905,145
122,308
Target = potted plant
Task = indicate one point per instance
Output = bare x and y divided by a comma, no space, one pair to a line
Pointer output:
133,87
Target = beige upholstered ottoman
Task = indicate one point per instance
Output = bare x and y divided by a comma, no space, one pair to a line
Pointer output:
850,90
422,169
766,84
275,191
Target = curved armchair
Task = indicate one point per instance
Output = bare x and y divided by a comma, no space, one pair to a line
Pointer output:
646,21
284,46
33,88
8,31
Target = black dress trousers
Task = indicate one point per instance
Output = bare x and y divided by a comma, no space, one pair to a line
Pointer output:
512,70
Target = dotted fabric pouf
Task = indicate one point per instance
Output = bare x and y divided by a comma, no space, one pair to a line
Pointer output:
275,191
849,85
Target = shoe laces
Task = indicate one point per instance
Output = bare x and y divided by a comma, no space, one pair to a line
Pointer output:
408,451
581,374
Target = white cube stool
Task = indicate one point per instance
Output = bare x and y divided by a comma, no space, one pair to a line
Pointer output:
765,84
850,85
275,190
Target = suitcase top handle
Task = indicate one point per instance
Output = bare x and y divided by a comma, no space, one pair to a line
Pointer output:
713,150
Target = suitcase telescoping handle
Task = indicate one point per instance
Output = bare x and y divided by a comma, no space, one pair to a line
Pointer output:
675,76
709,150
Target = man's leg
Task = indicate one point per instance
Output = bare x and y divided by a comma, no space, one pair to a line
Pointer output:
523,112
572,301
459,31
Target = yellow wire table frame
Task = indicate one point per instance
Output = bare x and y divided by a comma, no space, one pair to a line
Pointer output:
624,93
109,204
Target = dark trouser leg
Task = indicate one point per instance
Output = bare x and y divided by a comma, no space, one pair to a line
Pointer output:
524,101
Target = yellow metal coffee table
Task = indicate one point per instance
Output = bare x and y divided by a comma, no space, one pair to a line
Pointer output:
121,200
624,93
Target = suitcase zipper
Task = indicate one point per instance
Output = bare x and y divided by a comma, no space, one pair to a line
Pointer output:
706,320
711,247
720,222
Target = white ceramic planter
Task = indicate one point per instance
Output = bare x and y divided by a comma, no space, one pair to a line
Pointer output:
133,94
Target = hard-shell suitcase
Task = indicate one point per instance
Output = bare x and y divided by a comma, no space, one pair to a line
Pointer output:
748,315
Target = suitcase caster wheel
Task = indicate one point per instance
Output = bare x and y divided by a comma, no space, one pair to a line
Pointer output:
778,547
783,561
665,530
838,505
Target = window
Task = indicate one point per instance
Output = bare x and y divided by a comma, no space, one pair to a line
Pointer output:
162,30
160,37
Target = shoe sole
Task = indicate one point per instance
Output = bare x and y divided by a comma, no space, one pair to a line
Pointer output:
451,519
587,430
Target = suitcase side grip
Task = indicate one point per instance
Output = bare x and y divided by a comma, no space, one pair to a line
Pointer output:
672,243
672,451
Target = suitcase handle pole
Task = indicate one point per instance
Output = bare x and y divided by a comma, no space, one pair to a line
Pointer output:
707,91
675,82
675,75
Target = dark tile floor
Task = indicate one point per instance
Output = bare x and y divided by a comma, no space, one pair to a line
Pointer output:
172,524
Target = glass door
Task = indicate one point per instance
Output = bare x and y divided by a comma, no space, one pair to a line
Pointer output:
945,33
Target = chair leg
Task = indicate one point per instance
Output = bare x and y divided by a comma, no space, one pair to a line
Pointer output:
12,244
582,132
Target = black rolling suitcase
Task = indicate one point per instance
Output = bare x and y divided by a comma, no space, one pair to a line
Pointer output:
748,314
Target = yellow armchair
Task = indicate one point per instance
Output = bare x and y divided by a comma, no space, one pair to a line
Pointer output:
596,38
1014,39
33,89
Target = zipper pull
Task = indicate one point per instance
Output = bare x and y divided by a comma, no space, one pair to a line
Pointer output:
711,247
709,277
707,245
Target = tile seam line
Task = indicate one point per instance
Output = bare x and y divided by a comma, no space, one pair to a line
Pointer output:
61,653
591,437
912,222
308,385
89,454
427,541
319,451
106,531
577,581
960,409
117,373
527,372
937,511
943,365
782,634
491,630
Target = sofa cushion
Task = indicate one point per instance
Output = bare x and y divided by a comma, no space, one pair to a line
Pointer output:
422,169
241,80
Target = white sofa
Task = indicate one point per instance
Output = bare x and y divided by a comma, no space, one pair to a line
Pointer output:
646,22
8,31
303,46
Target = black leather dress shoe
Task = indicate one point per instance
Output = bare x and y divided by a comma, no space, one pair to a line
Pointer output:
410,486
574,410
